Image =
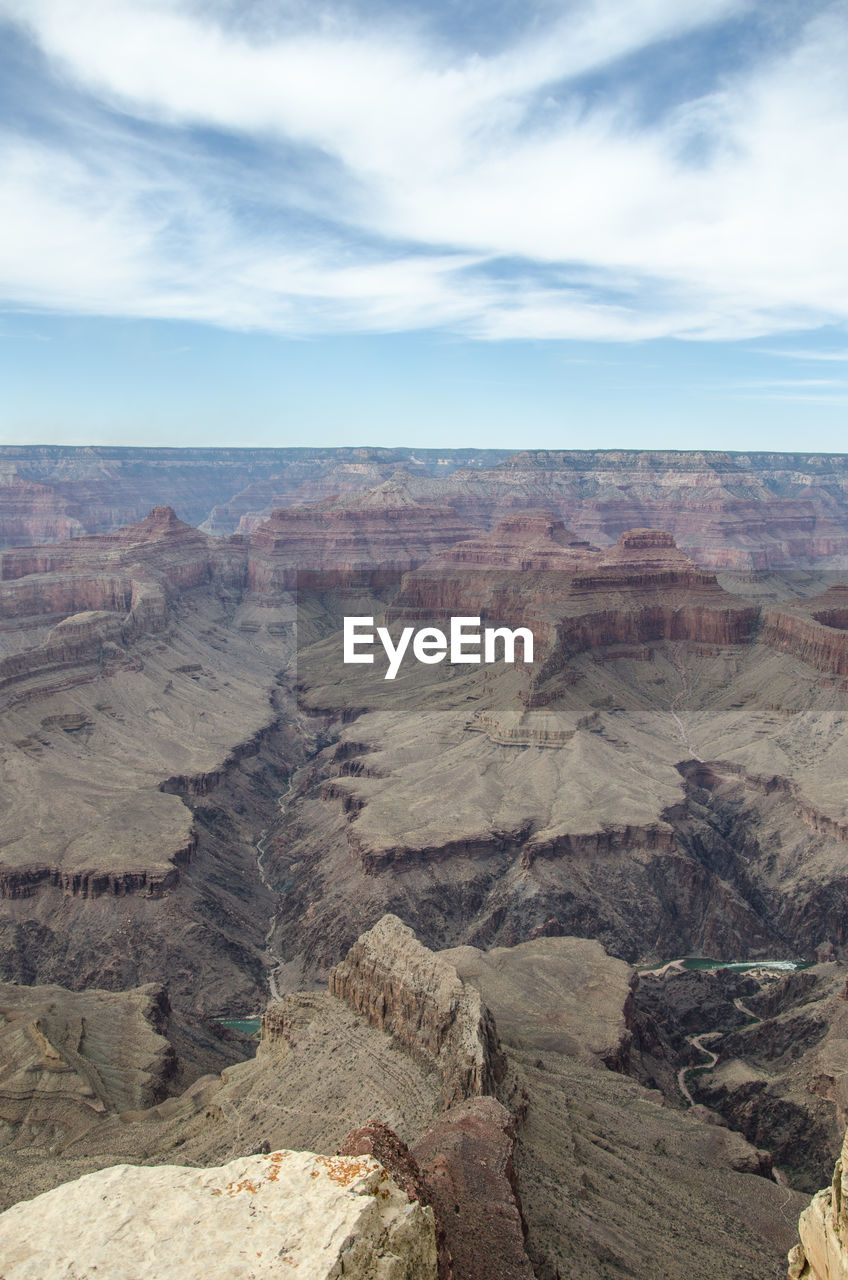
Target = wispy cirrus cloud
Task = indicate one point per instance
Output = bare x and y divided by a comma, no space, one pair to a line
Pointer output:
333,169
804,353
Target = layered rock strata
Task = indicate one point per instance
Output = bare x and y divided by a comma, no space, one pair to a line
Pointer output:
403,988
318,1216
728,510
370,540
581,1133
531,571
79,605
69,1058
814,629
49,492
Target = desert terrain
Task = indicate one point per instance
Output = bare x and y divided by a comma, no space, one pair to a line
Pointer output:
460,901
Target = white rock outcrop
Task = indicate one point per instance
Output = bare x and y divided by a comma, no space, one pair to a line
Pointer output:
823,1228
290,1213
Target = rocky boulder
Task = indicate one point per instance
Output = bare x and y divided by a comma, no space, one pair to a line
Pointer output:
316,1216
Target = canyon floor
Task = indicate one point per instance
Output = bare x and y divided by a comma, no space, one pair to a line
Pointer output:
202,809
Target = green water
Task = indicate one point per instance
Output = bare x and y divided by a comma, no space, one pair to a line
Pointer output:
247,1026
739,966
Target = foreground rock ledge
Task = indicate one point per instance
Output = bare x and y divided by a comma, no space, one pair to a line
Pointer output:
823,1227
289,1213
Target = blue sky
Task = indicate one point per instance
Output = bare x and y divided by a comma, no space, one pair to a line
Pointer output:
587,223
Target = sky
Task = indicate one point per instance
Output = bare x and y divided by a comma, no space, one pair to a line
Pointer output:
534,224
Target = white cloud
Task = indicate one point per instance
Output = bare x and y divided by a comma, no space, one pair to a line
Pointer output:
619,233
802,353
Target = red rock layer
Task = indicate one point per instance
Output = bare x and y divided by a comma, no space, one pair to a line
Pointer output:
727,510
814,630
49,492
328,544
466,1159
103,591
530,572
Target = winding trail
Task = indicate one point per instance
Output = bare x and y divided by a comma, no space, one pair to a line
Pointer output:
663,970
743,1008
697,1042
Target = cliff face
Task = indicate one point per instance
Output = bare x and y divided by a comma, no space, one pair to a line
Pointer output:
530,571
814,630
376,539
562,1132
462,1163
135,686
98,593
732,511
62,1068
727,510
466,1157
74,1060
644,665
403,988
100,572
823,1227
326,1216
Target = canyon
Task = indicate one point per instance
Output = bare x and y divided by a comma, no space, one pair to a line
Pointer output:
442,893
727,510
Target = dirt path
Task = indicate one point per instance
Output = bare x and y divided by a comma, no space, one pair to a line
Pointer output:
743,1008
697,1042
676,965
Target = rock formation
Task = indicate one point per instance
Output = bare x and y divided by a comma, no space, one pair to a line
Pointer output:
530,571
814,629
466,1158
823,1227
318,1216
178,805
538,1174
405,989
134,686
50,492
738,511
71,1060
564,994
367,540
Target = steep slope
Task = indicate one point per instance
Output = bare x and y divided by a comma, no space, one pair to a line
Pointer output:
571,1166
822,1253
142,754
